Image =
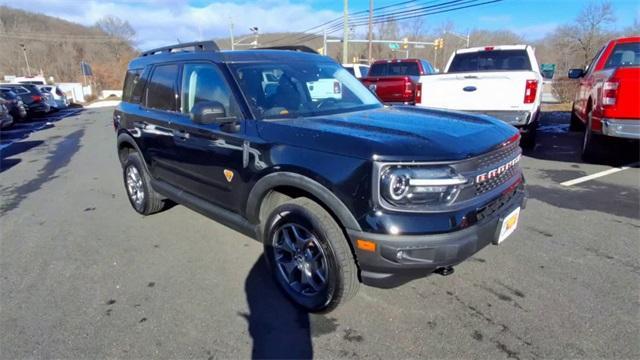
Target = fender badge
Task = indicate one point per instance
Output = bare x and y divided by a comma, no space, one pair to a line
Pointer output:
228,174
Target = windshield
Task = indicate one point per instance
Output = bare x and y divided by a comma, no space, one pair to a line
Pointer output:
295,89
493,60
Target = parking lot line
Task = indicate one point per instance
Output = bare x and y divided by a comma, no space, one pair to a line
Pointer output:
598,175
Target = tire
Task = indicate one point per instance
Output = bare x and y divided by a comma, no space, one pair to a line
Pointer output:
317,246
575,124
591,143
528,139
141,195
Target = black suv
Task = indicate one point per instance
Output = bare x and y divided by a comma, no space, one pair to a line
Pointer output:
291,149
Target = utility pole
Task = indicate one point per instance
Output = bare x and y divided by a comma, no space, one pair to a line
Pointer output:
468,37
26,60
345,33
231,33
324,42
370,31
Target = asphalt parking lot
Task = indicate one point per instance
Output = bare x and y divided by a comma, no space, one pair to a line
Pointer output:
84,276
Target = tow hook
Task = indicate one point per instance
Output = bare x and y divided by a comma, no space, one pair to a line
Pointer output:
444,271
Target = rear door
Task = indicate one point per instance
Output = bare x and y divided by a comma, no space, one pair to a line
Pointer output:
153,124
483,80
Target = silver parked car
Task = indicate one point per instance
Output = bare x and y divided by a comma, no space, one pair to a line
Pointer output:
59,100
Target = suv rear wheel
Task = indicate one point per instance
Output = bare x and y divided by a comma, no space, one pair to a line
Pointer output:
142,197
309,255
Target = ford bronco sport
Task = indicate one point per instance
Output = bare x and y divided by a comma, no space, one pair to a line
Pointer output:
339,188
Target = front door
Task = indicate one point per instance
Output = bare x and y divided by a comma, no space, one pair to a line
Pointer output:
210,157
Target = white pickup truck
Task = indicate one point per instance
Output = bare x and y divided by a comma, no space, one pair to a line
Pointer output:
499,81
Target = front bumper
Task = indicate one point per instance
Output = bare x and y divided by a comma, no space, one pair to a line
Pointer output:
629,129
398,259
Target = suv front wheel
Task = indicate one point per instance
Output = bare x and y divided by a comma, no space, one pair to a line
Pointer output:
309,255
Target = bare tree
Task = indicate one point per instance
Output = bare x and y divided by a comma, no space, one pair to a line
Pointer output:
116,27
588,30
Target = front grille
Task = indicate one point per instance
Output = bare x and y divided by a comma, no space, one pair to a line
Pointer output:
499,156
491,184
496,204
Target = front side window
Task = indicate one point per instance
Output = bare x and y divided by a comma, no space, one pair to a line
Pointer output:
161,93
302,89
204,82
491,60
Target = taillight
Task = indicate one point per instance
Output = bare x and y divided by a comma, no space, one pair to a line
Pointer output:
36,98
610,92
336,87
530,91
418,97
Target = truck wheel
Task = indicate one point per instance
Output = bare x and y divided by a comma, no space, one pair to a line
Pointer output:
309,256
141,195
575,124
591,143
528,139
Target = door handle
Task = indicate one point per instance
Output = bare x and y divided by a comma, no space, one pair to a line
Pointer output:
140,124
182,135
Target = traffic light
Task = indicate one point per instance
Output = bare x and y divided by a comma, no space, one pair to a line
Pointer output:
405,43
438,43
441,43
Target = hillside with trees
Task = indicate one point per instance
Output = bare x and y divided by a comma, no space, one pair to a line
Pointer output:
56,47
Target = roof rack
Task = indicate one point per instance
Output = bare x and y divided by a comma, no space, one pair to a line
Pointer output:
192,46
300,48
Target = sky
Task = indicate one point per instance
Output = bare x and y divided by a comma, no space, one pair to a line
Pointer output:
158,22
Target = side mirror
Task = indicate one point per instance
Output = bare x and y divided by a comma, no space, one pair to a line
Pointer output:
576,73
208,112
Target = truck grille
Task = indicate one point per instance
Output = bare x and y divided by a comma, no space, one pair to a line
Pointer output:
489,185
494,160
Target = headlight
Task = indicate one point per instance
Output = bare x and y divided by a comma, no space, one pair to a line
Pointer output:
419,187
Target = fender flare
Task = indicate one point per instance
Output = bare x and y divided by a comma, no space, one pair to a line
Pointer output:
320,192
125,137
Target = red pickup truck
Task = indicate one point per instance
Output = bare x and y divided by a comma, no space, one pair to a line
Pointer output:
397,81
608,103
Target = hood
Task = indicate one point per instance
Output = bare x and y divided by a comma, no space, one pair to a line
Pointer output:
392,133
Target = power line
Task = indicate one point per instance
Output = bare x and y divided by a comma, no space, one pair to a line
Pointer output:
414,12
339,19
446,7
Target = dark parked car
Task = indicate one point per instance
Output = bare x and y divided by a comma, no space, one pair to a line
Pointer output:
338,188
32,98
13,103
6,119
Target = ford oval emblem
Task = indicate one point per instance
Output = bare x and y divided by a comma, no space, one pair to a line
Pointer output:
469,88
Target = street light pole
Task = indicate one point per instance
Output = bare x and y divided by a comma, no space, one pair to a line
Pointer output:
370,31
231,34
345,32
26,60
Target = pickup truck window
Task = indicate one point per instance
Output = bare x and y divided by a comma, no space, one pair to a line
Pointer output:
302,89
493,60
625,54
395,69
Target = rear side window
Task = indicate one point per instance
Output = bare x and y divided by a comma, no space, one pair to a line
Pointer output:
161,90
494,60
627,54
364,71
130,81
204,82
